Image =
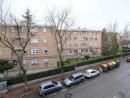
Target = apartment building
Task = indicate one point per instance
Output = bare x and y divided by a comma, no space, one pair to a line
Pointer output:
83,42
40,51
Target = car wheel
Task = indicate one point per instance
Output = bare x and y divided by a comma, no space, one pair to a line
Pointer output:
82,80
59,89
42,95
70,85
98,74
89,77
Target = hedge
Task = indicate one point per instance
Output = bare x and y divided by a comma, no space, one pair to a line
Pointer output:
16,80
100,59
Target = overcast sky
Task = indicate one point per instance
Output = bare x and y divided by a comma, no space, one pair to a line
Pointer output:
91,14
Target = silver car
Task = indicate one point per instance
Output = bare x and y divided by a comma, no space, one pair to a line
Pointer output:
49,87
89,73
74,79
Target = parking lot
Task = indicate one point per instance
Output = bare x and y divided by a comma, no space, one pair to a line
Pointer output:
112,84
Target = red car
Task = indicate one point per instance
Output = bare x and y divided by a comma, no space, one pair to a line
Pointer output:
128,59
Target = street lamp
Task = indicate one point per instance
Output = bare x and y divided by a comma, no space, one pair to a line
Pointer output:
121,46
75,53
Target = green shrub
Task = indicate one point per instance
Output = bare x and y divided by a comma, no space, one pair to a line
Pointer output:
87,57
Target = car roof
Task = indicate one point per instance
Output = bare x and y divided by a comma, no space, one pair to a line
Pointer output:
90,70
43,84
77,74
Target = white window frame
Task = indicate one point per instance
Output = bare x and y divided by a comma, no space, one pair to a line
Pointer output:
46,61
34,29
23,29
12,29
25,62
34,51
35,61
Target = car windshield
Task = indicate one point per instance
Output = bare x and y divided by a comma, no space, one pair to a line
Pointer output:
71,78
54,82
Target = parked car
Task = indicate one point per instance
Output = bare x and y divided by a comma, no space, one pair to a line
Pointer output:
114,64
128,59
49,87
89,73
74,79
117,62
111,65
104,67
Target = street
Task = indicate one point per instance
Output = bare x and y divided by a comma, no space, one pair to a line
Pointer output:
112,84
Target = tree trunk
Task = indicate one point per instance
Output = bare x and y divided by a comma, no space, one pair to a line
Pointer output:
4,75
20,61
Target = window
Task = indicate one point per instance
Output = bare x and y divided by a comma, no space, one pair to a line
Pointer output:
23,29
83,44
71,77
25,62
93,72
46,61
91,38
35,61
12,29
34,29
3,87
34,40
54,82
14,62
44,29
91,49
77,77
48,86
34,51
75,38
85,38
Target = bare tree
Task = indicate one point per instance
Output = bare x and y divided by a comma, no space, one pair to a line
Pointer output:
104,42
111,38
125,39
60,22
21,39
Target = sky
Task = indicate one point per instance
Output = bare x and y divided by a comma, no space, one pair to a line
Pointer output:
89,14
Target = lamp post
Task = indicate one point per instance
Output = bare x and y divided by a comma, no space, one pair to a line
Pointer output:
75,59
121,45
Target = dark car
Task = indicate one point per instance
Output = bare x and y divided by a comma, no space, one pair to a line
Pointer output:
49,87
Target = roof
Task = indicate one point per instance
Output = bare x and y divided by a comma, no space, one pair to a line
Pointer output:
90,70
83,30
77,74
43,84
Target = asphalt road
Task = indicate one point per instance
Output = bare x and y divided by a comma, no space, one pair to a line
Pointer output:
113,84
